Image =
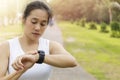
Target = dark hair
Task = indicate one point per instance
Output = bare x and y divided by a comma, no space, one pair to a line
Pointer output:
37,5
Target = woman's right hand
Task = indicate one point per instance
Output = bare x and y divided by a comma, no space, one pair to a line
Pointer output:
25,61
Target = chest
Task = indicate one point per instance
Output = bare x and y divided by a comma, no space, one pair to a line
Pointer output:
27,48
38,71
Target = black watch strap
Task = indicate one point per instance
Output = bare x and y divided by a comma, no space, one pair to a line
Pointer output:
41,57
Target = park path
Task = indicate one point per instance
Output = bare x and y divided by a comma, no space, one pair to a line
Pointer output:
76,73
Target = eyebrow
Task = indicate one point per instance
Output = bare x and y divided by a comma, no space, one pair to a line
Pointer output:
44,21
35,18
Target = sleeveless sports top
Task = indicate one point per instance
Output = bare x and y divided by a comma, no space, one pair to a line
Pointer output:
38,71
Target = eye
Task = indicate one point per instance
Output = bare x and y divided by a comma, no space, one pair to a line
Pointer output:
43,24
33,21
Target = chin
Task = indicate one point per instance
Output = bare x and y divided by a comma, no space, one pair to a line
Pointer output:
37,38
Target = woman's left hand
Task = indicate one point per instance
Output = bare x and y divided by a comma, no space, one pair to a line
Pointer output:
25,61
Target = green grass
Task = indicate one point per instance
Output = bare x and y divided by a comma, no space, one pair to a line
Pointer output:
97,52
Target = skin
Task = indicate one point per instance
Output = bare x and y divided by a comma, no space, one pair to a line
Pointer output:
34,26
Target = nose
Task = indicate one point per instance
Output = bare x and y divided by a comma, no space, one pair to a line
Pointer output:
37,27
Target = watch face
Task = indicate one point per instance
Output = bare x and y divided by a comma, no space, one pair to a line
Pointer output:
41,52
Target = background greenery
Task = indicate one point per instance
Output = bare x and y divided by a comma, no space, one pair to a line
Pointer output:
93,10
97,52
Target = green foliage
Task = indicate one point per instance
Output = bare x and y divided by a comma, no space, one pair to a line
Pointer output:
93,26
116,13
96,52
104,27
77,22
83,22
115,28
116,1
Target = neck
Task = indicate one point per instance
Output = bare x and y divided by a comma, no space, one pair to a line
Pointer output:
27,44
28,41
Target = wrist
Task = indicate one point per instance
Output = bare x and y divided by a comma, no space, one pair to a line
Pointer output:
36,57
41,57
21,71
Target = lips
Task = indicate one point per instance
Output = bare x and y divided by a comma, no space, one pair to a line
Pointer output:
36,33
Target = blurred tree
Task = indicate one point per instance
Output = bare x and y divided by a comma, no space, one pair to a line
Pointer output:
118,1
116,11
92,10
11,10
107,4
67,9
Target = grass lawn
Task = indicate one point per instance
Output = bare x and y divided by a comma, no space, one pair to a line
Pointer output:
96,52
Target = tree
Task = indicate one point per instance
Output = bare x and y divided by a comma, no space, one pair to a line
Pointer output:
93,10
68,9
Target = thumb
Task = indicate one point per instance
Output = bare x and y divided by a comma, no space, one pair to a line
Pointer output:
32,52
26,58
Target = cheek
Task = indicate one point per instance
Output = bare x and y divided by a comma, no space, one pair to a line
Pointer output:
28,28
28,25
44,30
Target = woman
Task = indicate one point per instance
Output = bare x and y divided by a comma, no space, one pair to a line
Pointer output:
30,57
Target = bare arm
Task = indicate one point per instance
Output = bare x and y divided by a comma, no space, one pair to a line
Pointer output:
4,57
59,57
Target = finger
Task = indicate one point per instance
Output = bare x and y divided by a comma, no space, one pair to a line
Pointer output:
32,52
17,64
29,58
19,67
15,67
20,62
14,64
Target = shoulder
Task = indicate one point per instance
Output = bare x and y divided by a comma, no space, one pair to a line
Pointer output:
4,48
55,46
51,42
4,44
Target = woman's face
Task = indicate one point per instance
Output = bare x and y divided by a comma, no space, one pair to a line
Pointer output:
35,24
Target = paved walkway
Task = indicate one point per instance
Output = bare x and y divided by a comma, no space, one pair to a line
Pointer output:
76,73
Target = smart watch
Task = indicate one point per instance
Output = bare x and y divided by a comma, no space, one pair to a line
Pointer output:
41,57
